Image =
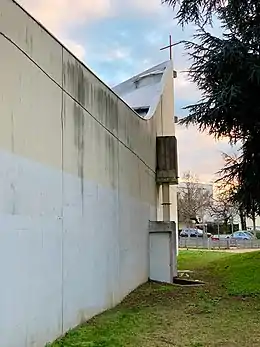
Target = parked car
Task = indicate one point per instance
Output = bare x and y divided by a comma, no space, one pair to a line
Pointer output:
237,235
220,237
250,234
191,232
242,235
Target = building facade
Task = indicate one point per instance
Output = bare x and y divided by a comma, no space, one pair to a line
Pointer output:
77,181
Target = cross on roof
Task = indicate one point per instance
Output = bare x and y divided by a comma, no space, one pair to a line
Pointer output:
169,46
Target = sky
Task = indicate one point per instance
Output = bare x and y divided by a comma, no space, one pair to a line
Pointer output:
117,39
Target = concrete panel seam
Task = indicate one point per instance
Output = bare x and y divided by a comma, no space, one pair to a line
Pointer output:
64,91
74,56
62,205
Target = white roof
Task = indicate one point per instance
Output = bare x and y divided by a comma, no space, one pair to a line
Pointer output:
143,91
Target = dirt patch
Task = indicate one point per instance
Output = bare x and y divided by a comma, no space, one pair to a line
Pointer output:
186,282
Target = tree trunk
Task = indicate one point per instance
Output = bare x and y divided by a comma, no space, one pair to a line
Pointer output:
226,229
254,226
242,218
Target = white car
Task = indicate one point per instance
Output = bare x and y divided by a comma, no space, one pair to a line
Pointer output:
220,237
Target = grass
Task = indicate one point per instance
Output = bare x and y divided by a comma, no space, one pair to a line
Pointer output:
190,260
224,312
240,274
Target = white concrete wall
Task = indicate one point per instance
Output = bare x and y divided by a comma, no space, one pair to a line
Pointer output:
77,188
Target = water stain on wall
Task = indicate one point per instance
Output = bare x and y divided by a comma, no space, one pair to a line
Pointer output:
78,82
107,108
112,159
81,92
101,103
29,40
79,142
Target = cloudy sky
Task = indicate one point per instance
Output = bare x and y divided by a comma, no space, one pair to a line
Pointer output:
118,39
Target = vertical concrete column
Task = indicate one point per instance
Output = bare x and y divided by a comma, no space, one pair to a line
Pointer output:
166,202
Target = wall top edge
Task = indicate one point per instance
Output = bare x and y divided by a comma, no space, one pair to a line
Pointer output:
77,59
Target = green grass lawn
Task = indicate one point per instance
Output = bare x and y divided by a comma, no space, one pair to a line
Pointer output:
190,260
224,312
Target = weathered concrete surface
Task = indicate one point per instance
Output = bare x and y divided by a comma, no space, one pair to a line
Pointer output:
77,187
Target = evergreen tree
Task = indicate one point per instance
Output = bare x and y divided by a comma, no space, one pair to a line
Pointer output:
226,70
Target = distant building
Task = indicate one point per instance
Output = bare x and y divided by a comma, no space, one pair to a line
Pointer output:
249,223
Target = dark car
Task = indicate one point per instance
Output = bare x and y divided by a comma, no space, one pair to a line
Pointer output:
191,232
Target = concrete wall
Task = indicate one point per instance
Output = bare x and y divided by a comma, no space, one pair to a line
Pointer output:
77,188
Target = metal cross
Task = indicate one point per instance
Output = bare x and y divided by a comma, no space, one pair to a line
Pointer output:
169,46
